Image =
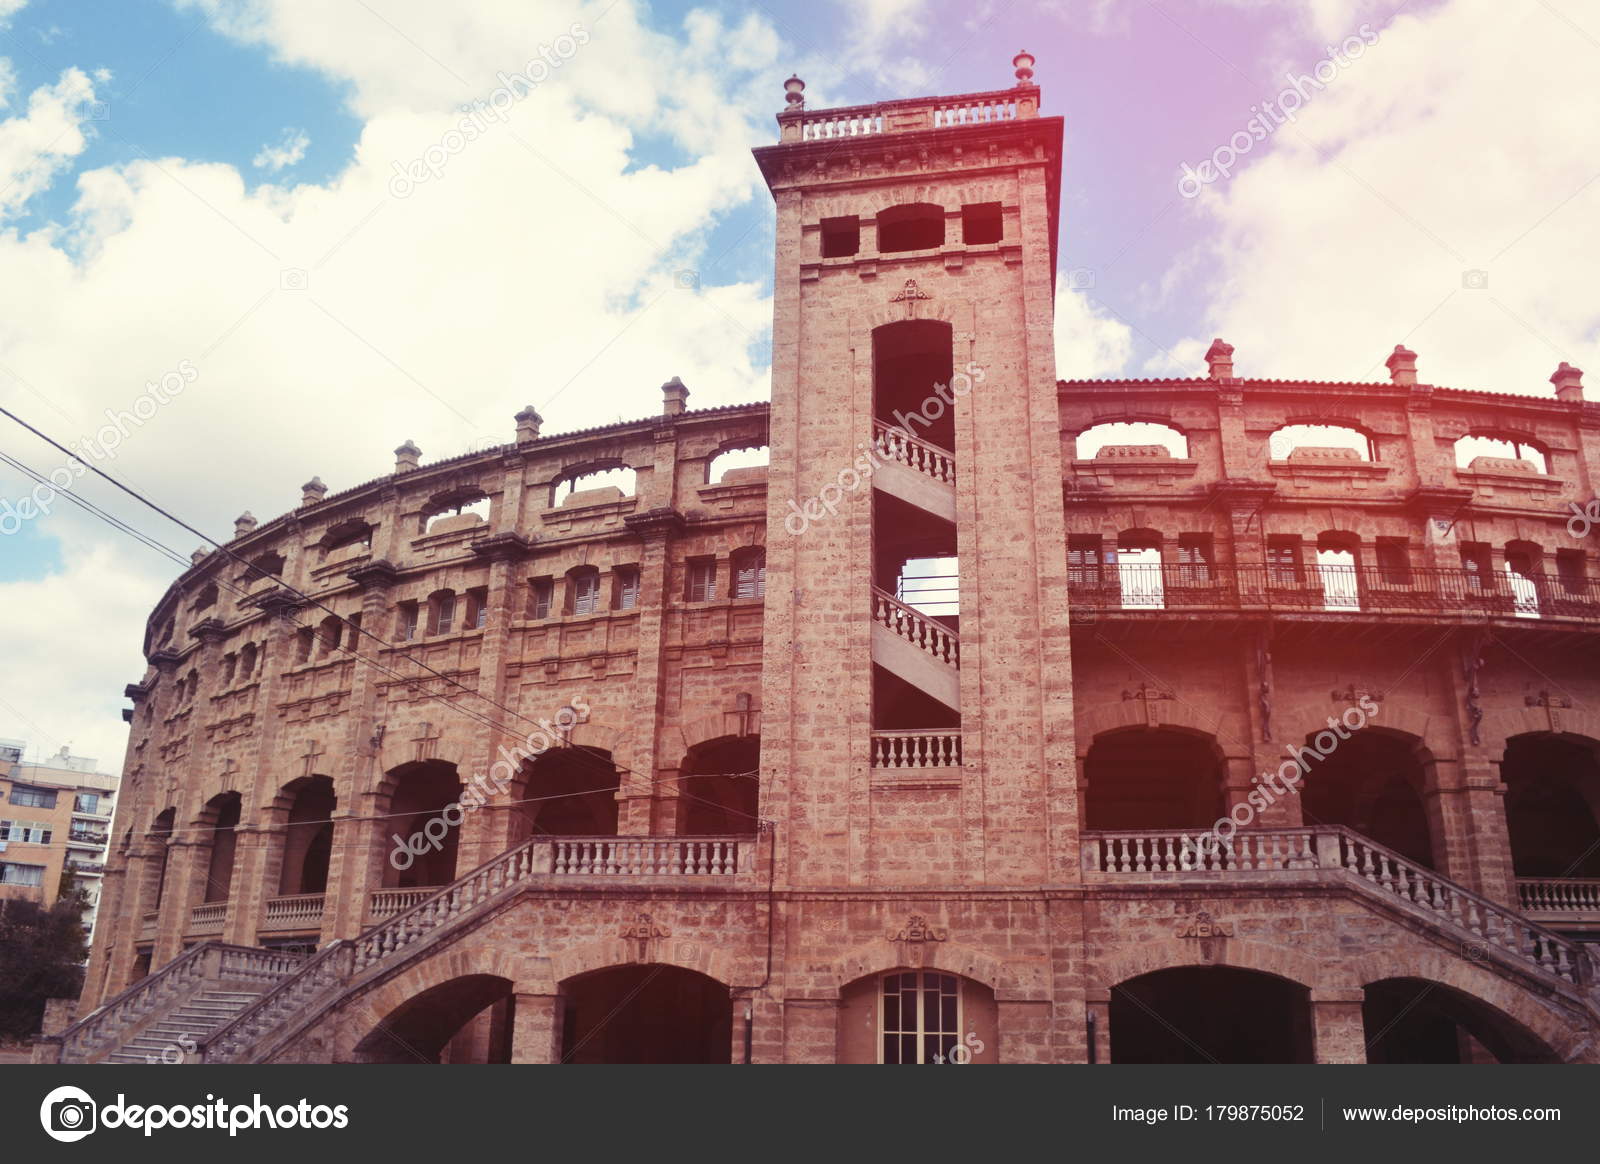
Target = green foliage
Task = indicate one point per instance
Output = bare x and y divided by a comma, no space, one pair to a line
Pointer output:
41,957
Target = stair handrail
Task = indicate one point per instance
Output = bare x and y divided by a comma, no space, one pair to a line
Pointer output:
140,998
895,433
312,978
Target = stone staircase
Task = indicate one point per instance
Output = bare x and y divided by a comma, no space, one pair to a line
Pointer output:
178,1034
166,1017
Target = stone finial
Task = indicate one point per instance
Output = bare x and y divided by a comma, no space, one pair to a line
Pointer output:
199,556
244,523
313,491
1402,365
528,422
674,397
794,94
1569,383
1023,63
1219,360
406,457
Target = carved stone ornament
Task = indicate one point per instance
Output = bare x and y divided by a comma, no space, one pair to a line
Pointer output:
917,929
1203,925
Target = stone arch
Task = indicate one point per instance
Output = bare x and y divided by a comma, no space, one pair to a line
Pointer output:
882,955
955,312
605,953
1579,726
1176,953
1100,719
458,959
1292,722
1557,1031
713,726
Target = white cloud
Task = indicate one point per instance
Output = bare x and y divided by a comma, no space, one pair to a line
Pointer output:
1089,344
38,144
538,267
1456,143
289,151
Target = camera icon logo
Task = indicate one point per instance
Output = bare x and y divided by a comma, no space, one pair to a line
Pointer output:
1475,280
293,279
68,1114
686,280
95,111
1080,279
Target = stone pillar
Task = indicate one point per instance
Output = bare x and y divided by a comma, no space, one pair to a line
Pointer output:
184,889
657,528
1337,1029
810,1029
536,1021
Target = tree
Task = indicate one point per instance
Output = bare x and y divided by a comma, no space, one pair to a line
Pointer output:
41,957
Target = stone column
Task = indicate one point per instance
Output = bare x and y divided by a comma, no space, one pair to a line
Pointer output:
657,528
184,889
536,1021
1337,1028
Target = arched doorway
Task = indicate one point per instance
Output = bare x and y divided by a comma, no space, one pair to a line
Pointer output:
1553,806
160,840
220,820
908,1016
1373,782
1153,778
307,836
567,792
719,787
910,357
470,1016
649,1013
1210,1014
421,793
1412,1020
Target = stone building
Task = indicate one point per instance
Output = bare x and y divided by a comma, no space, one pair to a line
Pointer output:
999,718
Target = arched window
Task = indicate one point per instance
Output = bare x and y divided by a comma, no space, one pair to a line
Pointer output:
247,661
230,667
160,837
1295,442
194,685
753,457
914,226
206,597
221,820
1139,570
308,836
1501,452
348,534
1338,560
1130,434
268,565
453,511
1525,577
594,485
911,359
332,628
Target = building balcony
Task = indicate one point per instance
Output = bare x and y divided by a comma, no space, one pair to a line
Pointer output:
1139,592
300,911
554,861
1563,903
208,918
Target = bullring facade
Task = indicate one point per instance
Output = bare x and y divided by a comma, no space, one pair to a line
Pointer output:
974,726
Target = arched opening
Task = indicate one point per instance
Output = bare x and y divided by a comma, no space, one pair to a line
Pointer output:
1338,563
1153,778
1321,442
465,1020
456,510
1502,452
567,792
1524,563
1412,1020
221,820
719,787
593,485
160,839
1210,1014
1123,434
746,462
1553,806
917,1016
307,836
1372,781
422,791
1139,570
909,358
649,1013
913,226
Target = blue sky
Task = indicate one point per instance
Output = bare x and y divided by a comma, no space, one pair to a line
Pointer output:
328,319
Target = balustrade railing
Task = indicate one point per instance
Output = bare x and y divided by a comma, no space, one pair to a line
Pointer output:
297,911
921,456
911,114
926,749
916,628
208,918
385,903
1168,854
1335,590
1563,895
646,856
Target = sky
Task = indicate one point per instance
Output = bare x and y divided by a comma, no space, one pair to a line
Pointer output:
210,221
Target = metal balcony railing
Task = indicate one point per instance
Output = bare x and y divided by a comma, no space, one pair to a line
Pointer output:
1333,590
